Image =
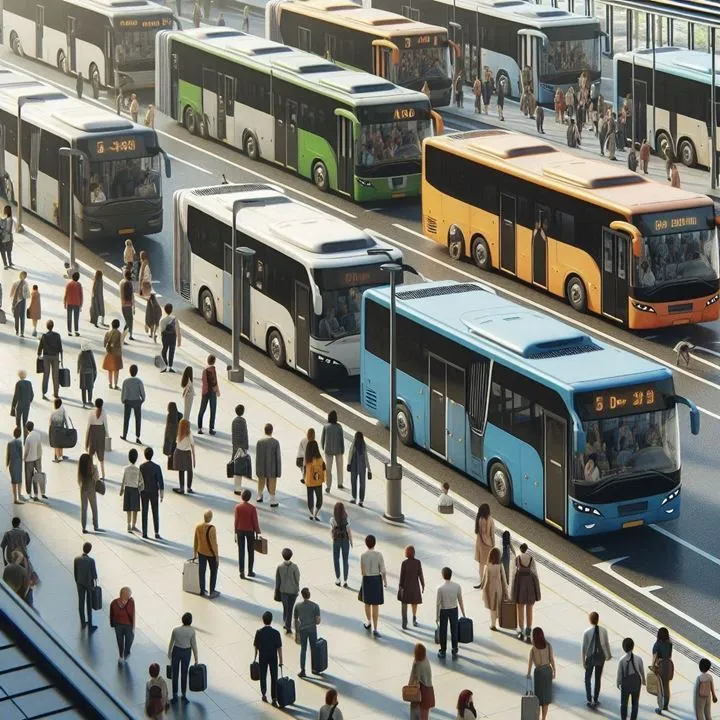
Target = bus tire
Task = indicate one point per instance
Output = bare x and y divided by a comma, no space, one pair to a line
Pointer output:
456,243
190,120
251,147
320,176
662,142
504,79
205,127
687,153
206,305
276,348
62,61
576,293
404,424
481,253
500,484
94,76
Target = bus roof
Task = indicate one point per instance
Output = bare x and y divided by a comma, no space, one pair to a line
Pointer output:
293,228
382,23
532,159
691,64
534,344
524,12
115,8
297,66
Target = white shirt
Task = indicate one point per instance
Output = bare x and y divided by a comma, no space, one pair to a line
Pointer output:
165,320
58,417
449,595
445,500
372,563
186,443
132,478
587,643
33,446
93,419
625,668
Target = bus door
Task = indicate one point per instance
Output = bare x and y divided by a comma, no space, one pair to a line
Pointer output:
508,224
63,192
174,81
346,155
555,468
539,246
291,134
35,138
447,411
229,113
529,47
280,139
210,99
39,29
109,57
71,43
220,107
382,62
615,275
640,111
302,327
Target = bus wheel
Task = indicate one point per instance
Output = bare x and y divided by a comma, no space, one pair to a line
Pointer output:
481,253
62,61
404,424
207,307
320,176
276,348
687,153
251,147
500,484
504,79
190,121
576,294
662,142
456,243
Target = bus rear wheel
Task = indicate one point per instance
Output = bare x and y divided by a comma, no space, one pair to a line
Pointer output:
251,147
687,153
320,176
577,294
456,243
404,424
481,253
206,304
190,121
500,484
663,142
276,348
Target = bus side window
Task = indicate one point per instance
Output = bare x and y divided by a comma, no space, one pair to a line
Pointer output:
259,276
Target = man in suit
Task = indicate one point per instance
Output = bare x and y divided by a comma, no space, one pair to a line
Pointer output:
15,539
152,493
22,399
268,652
85,579
269,464
51,350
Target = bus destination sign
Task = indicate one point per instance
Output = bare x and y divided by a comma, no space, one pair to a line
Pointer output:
112,148
404,113
358,276
675,222
145,23
620,401
426,40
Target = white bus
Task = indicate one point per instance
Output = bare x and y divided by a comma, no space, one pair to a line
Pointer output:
302,288
117,181
111,42
681,117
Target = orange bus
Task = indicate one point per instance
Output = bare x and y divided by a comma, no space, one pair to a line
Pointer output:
640,253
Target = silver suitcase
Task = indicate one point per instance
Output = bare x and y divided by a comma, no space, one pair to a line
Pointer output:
529,706
191,577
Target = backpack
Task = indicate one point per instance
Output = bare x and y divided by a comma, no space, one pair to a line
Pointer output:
211,376
340,532
705,688
596,655
170,328
631,681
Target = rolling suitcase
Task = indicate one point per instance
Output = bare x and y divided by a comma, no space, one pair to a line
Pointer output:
255,671
508,615
197,677
465,630
319,656
285,691
529,705
96,597
64,377
191,577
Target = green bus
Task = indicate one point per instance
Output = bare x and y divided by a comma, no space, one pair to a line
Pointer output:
349,132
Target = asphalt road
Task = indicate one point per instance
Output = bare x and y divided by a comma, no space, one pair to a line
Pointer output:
680,563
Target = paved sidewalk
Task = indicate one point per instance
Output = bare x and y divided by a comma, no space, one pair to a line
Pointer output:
368,673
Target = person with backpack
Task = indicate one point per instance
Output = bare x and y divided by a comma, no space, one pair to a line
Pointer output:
595,652
156,694
342,541
170,337
704,692
314,477
630,679
209,394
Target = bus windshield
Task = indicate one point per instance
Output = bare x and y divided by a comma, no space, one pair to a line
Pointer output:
423,62
570,56
123,179
135,45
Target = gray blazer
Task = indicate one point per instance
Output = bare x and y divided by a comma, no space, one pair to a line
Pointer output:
332,440
23,396
239,434
287,578
85,572
268,462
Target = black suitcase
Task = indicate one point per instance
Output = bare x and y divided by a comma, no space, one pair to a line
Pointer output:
255,671
465,630
39,365
319,656
96,597
285,691
64,376
197,677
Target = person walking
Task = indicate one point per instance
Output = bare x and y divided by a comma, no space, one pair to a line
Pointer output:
540,119
122,620
240,441
675,176
488,85
88,478
153,315
484,539
85,574
14,539
145,275
205,549
645,155
97,434
209,394
221,20
113,360
358,467
188,391
34,310
573,136
129,255
152,493
130,488
58,419
494,586
458,87
300,457
97,300
287,587
134,107
559,105
268,653
421,675
449,599
570,102
184,457
32,459
87,373
411,585
268,462
332,442
314,478
501,101
72,302
156,690
23,397
247,528
150,116
595,653
602,133
120,101
172,423
330,710
14,465
611,129
662,666
132,396
541,656
508,555
7,226
374,579
477,91
183,644
704,691
465,706
51,349
525,590
79,85
630,679
342,541
19,295
127,305
307,618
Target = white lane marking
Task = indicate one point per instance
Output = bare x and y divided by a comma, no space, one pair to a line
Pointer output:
686,544
516,296
110,265
350,409
192,165
709,412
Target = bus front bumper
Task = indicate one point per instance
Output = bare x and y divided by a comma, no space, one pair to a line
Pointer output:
125,224
134,79
386,188
647,316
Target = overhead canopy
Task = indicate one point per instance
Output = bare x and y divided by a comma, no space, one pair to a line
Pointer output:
702,12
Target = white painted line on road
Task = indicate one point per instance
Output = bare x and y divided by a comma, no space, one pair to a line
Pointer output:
685,544
351,409
716,416
110,265
192,165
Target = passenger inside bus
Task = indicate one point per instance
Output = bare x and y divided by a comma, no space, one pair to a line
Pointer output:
677,257
420,63
385,142
120,179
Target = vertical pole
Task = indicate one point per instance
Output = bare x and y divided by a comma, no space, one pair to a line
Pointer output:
691,36
634,107
671,32
19,167
71,218
713,115
653,75
647,30
235,372
629,29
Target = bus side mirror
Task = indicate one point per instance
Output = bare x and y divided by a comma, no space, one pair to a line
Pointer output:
168,169
580,439
695,421
438,124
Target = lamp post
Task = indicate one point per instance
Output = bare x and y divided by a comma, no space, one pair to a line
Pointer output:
71,153
239,255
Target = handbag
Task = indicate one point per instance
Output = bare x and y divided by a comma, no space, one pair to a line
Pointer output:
62,436
168,671
261,545
255,671
39,365
27,314
100,487
411,693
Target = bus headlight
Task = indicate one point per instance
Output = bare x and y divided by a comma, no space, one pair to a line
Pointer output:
643,308
586,509
671,496
365,183
712,300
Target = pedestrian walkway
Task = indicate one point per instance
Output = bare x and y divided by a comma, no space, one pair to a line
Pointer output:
367,673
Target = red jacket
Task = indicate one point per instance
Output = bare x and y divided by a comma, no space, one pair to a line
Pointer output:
73,293
122,615
246,518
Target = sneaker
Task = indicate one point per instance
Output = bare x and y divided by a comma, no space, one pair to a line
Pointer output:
242,575
353,501
157,536
77,334
302,674
259,500
337,582
277,505
251,574
441,653
360,504
214,594
200,431
455,652
178,491
44,496
212,432
191,491
345,585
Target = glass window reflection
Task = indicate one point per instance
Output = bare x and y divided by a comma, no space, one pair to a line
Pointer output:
123,179
341,313
389,142
422,63
134,45
570,56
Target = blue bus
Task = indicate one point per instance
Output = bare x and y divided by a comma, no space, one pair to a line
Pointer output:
581,435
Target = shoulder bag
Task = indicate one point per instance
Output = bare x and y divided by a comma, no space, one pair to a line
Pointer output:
412,693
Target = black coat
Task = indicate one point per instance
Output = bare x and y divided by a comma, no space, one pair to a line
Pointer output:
23,396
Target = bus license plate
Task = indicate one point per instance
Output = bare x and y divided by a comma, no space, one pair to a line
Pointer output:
633,523
126,231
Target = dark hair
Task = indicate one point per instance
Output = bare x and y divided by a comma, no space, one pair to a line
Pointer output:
133,370
463,702
331,697
187,619
523,548
154,670
359,441
87,547
704,665
506,537
173,411
268,428
49,324
305,592
16,522
187,376
339,512
168,308
370,542
538,638
239,410
16,432
84,464
149,452
446,573
628,645
332,417
267,617
286,553
133,455
98,406
663,635
246,494
312,451
76,276
410,552
29,425
57,402
127,274
420,652
115,324
483,513
446,486
211,360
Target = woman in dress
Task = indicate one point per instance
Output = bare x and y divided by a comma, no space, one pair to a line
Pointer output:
374,579
172,421
97,301
314,478
184,457
465,706
113,361
495,586
662,666
484,538
342,541
34,311
541,656
525,590
145,275
153,314
156,694
130,488
87,482
188,392
97,433
411,585
87,373
421,674
14,463
129,253
58,418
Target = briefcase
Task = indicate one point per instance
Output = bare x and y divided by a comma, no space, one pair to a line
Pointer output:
529,706
319,656
62,436
508,615
285,691
254,671
191,577
100,486
64,377
230,469
411,693
39,365
168,671
96,597
465,630
197,677
243,466
437,635
446,509
261,545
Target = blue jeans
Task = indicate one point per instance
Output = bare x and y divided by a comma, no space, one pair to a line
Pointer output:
356,476
307,637
338,547
211,398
